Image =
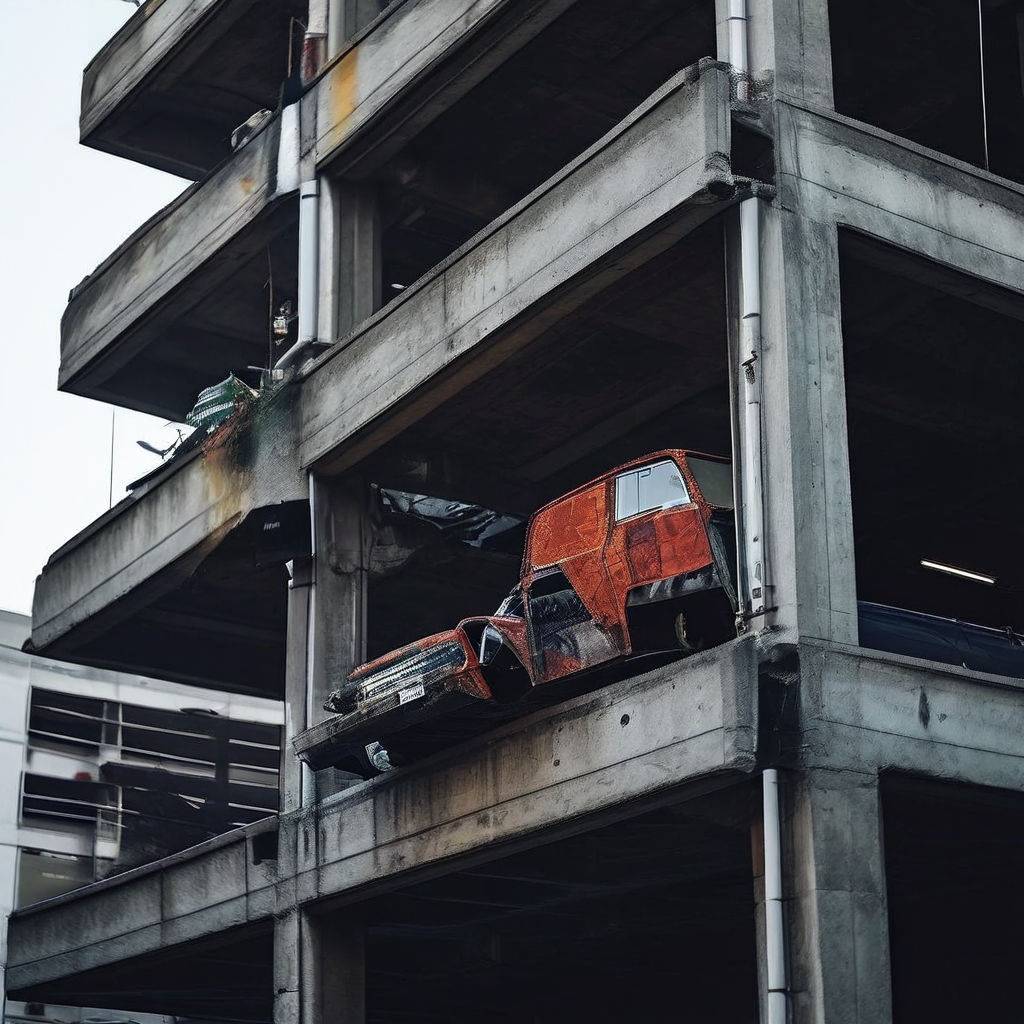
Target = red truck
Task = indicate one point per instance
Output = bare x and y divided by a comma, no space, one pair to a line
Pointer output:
640,560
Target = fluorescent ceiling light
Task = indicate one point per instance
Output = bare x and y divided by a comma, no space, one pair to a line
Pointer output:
967,574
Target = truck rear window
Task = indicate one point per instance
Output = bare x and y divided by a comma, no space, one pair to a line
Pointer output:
714,480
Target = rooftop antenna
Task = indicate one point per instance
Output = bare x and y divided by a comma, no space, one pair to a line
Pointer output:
162,452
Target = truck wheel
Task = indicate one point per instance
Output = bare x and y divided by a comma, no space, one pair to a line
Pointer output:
704,621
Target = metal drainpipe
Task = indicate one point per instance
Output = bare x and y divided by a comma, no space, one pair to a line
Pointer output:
750,365
753,515
775,939
309,260
738,47
754,589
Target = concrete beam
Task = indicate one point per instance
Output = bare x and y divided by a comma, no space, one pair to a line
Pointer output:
137,304
597,754
197,893
658,174
601,756
180,75
152,541
840,171
869,710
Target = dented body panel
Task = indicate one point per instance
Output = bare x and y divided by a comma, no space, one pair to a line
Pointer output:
639,535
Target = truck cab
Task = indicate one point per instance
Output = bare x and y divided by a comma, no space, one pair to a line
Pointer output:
641,558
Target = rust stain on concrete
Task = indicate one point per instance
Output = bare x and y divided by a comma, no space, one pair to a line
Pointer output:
344,90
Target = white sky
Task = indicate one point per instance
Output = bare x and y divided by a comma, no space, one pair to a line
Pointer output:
63,209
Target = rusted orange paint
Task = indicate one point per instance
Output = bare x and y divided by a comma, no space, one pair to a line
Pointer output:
573,525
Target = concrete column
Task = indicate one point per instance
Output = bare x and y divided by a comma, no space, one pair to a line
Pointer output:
296,649
335,27
319,969
358,274
808,517
823,517
337,611
757,861
837,915
341,539
801,50
329,277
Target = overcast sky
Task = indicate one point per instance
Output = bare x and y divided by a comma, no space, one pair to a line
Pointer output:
63,208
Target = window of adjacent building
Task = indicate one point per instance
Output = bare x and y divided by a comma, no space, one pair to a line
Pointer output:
146,781
63,802
649,488
947,75
43,875
66,721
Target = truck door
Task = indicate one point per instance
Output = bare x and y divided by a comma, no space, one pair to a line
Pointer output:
658,529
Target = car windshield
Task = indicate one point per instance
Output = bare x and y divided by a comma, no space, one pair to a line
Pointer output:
714,480
513,604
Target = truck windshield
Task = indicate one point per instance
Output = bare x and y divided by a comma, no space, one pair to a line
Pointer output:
714,480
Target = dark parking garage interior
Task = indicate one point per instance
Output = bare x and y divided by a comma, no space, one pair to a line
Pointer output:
953,858
586,71
934,367
608,925
948,77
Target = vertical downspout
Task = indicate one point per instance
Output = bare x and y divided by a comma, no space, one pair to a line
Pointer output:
775,938
754,582
314,43
738,47
309,267
753,521
750,364
309,261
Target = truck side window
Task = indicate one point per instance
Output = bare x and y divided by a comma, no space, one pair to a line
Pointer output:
647,488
